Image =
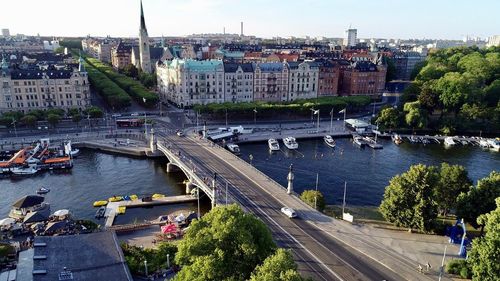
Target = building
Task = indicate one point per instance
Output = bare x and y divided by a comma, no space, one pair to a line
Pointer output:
405,62
363,78
351,37
238,82
121,55
493,41
270,82
328,80
85,257
144,53
30,87
190,82
5,32
9,45
303,80
98,49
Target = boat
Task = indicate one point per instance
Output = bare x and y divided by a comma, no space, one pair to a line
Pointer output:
74,152
121,210
100,213
397,139
115,199
484,143
273,145
43,190
134,197
100,203
157,196
329,141
494,144
234,148
26,171
358,140
449,141
290,143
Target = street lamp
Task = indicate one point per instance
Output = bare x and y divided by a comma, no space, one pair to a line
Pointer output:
146,266
14,123
255,117
168,260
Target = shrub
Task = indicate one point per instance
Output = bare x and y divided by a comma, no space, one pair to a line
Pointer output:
459,267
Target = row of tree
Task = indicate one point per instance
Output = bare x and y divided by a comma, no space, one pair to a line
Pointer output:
303,107
133,87
414,198
454,89
147,79
52,116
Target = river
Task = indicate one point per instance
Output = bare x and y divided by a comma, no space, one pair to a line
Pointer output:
366,171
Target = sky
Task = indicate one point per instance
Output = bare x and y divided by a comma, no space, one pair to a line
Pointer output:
436,19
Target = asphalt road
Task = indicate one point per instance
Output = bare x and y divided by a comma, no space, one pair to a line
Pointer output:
317,254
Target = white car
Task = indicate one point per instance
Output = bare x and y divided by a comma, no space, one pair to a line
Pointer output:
180,133
289,212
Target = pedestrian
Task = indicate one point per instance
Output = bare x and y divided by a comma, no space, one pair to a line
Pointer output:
420,269
428,265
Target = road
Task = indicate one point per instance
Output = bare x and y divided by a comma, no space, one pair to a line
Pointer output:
317,254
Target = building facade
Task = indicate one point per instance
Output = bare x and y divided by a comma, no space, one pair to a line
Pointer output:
98,49
363,78
328,80
144,54
351,37
33,87
271,82
405,63
303,80
121,55
238,82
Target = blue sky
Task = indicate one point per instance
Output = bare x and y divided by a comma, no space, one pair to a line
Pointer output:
440,19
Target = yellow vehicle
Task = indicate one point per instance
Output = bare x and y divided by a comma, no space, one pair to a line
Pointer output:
100,203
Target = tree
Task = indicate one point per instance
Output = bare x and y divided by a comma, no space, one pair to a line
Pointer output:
428,98
453,180
225,244
388,118
29,120
479,200
131,71
277,267
94,112
486,250
408,199
415,116
314,199
391,70
53,119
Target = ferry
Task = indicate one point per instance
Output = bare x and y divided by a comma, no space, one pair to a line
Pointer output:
494,144
397,139
329,141
290,143
449,141
234,148
273,145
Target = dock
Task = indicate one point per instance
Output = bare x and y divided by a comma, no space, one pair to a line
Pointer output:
112,207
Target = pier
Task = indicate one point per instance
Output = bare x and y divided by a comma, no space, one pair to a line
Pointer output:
112,207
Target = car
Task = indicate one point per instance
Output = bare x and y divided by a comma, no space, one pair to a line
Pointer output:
134,114
289,212
180,133
116,115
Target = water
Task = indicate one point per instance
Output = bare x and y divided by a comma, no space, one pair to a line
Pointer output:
366,171
97,176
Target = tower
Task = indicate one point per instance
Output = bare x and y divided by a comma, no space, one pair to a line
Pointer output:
351,37
241,33
144,56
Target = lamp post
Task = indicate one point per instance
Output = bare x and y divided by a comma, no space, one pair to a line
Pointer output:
146,267
316,194
14,123
255,117
168,260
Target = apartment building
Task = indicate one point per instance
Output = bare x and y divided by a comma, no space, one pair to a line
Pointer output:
303,80
271,82
238,82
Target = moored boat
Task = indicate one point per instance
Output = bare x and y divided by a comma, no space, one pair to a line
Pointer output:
273,145
43,190
397,139
290,143
494,144
329,141
115,199
24,171
157,196
234,148
449,141
100,203
100,213
358,140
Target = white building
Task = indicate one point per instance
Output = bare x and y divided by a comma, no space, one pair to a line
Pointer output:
238,82
493,41
271,82
303,80
5,32
351,37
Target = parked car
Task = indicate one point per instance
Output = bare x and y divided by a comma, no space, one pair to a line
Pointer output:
289,212
180,133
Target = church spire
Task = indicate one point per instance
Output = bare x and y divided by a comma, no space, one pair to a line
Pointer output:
143,22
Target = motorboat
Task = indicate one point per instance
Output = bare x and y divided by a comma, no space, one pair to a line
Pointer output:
329,141
234,148
75,152
358,140
494,144
290,143
115,199
449,141
158,196
42,190
100,203
99,214
484,143
273,145
24,171
397,139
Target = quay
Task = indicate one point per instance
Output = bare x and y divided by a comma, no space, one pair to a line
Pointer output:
309,133
112,207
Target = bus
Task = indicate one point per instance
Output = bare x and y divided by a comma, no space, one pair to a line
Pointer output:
122,123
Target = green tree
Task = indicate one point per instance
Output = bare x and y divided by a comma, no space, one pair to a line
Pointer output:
314,199
94,112
415,116
485,254
428,98
29,120
479,200
277,267
453,180
388,118
53,119
408,199
225,244
391,70
131,71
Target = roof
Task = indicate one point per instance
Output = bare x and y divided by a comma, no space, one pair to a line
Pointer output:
21,74
28,201
270,66
86,256
155,53
233,67
194,65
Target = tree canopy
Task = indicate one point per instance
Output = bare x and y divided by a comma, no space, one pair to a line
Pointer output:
453,180
280,266
314,199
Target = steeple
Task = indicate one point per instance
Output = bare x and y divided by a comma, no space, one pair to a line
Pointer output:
143,22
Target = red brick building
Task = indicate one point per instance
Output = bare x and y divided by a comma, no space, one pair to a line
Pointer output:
328,79
363,78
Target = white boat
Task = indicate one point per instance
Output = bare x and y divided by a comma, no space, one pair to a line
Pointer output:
75,152
43,190
358,140
397,139
494,144
449,141
484,143
234,148
24,171
273,145
290,143
329,141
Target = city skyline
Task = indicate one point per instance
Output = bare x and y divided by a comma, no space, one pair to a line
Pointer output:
381,19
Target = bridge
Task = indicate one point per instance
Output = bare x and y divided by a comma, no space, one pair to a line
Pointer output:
317,251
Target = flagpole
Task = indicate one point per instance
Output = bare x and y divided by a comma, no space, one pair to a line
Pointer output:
331,121
343,204
345,110
316,195
317,127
